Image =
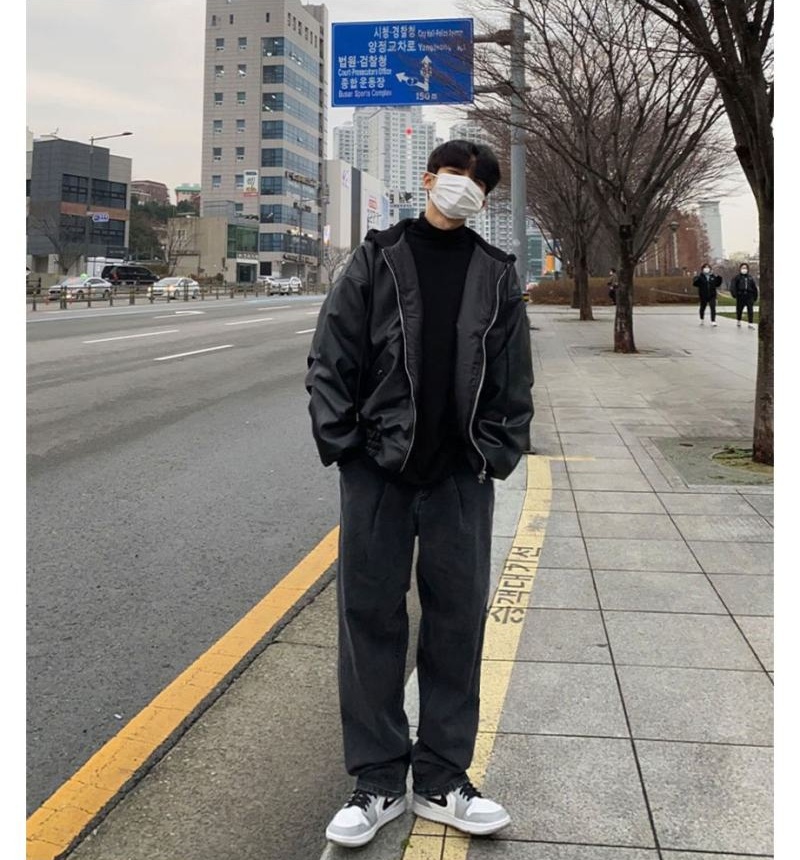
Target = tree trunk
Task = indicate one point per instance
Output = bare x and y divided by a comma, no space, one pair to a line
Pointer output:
582,283
623,321
763,424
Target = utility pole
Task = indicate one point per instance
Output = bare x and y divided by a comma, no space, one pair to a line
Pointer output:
514,38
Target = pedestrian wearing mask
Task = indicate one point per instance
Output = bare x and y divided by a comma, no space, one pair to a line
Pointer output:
707,283
745,291
613,285
420,379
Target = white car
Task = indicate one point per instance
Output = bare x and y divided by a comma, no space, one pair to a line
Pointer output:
175,288
281,286
78,288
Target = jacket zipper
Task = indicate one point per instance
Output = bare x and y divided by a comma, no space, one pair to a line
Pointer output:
482,473
405,360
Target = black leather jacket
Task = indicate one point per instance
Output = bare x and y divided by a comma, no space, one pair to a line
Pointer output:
365,359
744,286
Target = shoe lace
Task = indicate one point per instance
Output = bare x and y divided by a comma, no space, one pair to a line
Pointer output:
468,791
360,798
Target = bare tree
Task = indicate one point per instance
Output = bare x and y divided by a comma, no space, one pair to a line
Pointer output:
67,245
734,39
631,109
179,240
333,261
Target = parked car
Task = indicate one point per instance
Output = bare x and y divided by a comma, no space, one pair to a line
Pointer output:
174,288
281,286
78,289
128,274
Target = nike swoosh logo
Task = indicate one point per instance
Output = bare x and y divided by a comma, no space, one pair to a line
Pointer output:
441,800
388,801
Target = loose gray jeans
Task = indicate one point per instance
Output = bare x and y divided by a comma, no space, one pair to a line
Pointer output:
379,522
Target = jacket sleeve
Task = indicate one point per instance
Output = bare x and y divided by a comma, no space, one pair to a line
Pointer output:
505,409
755,289
334,363
697,282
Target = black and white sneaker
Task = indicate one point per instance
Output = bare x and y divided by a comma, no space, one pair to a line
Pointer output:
362,817
464,809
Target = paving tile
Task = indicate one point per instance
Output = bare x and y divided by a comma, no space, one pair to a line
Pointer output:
563,635
765,505
658,526
594,449
709,797
617,502
710,705
563,524
605,439
589,425
563,552
692,855
667,639
506,512
491,849
564,699
563,789
745,594
705,503
619,554
605,481
563,589
723,527
759,633
657,591
734,557
608,466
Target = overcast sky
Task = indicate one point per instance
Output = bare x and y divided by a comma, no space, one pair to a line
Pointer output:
97,67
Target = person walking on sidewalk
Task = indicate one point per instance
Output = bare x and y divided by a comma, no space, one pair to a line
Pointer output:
420,380
745,291
707,283
613,285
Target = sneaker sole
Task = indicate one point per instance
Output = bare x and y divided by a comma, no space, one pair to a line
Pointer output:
473,828
363,838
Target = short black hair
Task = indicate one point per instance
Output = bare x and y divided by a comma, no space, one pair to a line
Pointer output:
476,158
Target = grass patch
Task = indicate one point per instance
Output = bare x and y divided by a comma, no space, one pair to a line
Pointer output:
741,458
744,316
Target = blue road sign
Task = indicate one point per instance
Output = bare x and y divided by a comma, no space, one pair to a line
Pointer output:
100,217
390,63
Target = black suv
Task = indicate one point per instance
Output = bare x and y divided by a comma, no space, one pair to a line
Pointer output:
128,275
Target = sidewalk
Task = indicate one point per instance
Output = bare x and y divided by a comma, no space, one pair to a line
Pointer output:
627,681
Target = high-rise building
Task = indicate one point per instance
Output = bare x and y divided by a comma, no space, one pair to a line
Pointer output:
264,124
708,212
392,144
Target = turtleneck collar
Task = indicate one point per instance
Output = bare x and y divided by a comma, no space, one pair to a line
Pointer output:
423,229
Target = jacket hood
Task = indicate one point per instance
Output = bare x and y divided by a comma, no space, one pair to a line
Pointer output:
392,235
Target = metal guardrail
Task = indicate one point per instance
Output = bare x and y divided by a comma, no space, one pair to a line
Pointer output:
36,297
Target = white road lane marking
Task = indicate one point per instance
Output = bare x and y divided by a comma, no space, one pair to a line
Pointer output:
195,352
247,322
312,313
270,308
305,331
128,336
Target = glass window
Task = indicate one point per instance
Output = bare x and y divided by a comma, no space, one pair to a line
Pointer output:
230,18
216,153
240,153
217,126
266,17
238,181
240,125
216,180
238,207
242,70
74,188
241,97
213,20
219,71
111,194
217,98
219,44
242,43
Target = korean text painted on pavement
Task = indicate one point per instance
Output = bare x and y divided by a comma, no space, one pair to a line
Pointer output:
402,63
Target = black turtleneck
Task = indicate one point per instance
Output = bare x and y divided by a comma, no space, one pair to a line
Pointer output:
442,258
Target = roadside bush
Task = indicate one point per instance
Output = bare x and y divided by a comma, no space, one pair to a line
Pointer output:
646,291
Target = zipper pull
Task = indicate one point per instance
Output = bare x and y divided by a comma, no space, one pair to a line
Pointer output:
481,476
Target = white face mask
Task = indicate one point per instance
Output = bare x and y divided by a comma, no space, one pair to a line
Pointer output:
706,270
743,271
456,197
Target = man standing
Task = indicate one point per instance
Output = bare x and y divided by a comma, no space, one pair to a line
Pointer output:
420,379
745,291
707,283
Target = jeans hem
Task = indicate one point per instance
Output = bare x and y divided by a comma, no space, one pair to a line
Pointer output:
381,790
445,789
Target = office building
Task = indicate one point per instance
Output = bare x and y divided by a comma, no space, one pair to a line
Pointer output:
264,124
188,193
708,212
78,204
357,202
149,191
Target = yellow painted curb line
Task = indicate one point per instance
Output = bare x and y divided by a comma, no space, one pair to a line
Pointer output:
432,841
58,822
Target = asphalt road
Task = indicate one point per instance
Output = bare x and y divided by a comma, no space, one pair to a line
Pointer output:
172,481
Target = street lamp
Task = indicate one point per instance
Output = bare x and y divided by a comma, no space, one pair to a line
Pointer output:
89,191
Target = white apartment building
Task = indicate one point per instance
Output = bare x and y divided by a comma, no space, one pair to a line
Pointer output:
709,214
392,144
264,124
